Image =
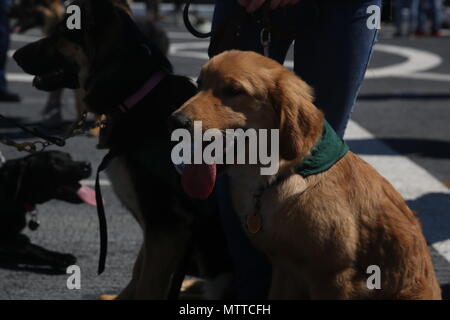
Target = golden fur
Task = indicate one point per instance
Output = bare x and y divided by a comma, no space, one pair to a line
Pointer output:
323,232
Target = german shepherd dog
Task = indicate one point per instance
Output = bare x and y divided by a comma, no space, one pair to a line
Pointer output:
45,15
110,59
30,181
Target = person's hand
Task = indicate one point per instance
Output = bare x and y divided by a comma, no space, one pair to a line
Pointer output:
253,5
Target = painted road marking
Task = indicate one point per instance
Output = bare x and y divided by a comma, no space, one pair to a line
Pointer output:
416,61
24,38
91,182
19,77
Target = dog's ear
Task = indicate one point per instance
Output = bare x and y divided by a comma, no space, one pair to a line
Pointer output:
301,123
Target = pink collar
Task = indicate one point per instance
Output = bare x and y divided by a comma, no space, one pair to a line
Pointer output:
136,97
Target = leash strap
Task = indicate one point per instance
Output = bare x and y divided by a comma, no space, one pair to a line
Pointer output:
101,212
189,25
265,41
265,34
54,140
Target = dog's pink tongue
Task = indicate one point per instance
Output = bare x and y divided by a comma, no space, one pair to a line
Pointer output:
198,180
87,195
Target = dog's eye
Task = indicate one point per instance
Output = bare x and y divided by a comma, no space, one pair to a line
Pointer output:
232,91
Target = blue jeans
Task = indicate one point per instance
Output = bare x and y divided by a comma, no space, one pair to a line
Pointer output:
4,41
434,7
413,8
331,53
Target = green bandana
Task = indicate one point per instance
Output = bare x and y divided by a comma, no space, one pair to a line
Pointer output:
328,150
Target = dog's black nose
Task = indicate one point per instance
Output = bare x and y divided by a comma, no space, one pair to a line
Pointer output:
180,121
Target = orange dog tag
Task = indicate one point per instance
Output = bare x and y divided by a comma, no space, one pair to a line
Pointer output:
254,223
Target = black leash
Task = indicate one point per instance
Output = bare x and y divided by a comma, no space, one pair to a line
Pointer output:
35,132
189,25
101,211
262,13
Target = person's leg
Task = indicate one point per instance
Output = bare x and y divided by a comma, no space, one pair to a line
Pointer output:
252,268
5,95
252,271
436,16
417,16
250,35
251,279
4,42
399,21
334,56
422,16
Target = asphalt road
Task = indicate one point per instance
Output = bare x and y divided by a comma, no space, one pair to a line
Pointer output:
401,124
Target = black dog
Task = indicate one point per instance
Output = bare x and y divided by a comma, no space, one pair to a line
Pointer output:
27,182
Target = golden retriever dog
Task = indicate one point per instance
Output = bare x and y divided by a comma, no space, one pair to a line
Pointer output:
322,233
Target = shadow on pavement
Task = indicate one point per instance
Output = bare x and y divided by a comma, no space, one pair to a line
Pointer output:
406,146
433,211
31,268
404,95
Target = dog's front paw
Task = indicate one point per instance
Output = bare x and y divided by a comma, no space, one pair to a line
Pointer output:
107,297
